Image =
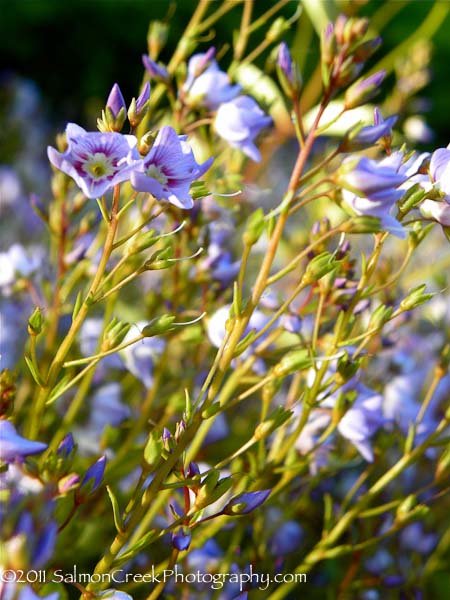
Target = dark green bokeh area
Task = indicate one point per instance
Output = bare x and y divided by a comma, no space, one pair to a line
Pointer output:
75,50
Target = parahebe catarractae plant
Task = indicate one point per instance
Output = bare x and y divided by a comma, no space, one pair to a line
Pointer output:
220,380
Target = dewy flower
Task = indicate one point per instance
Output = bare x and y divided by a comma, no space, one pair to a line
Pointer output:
13,446
169,169
96,161
206,85
239,122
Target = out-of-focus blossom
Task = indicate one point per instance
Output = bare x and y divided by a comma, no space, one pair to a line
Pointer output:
417,130
413,538
287,538
363,420
239,122
141,357
155,70
18,262
9,591
169,169
114,595
15,447
371,189
107,408
40,534
206,85
96,161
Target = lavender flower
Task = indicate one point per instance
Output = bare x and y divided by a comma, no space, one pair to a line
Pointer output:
206,85
114,595
246,502
155,70
169,169
9,592
15,447
140,358
18,261
96,161
115,101
362,420
239,122
438,211
371,189
380,129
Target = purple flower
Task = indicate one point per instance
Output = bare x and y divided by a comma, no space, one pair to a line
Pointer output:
96,161
15,447
107,409
246,502
239,122
440,171
287,538
438,211
372,133
155,70
371,189
169,169
26,592
206,85
362,420
140,358
115,101
92,479
181,538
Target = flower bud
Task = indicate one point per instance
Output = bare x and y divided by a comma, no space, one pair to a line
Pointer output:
35,322
294,361
415,298
146,142
114,115
363,90
68,483
157,35
277,29
255,227
246,502
159,326
365,50
181,538
328,44
138,108
380,316
91,480
318,268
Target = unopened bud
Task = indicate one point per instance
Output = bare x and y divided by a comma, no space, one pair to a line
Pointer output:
362,91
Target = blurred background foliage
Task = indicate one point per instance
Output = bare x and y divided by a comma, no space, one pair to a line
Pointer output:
75,50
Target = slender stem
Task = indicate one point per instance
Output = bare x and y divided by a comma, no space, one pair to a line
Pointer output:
244,31
58,360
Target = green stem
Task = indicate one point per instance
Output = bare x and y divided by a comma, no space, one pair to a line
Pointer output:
56,365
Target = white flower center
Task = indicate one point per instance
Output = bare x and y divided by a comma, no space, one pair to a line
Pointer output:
155,173
98,166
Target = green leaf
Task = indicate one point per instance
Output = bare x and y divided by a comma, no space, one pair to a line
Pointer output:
34,372
116,510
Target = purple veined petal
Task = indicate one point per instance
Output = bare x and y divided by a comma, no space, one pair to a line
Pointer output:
74,131
143,183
